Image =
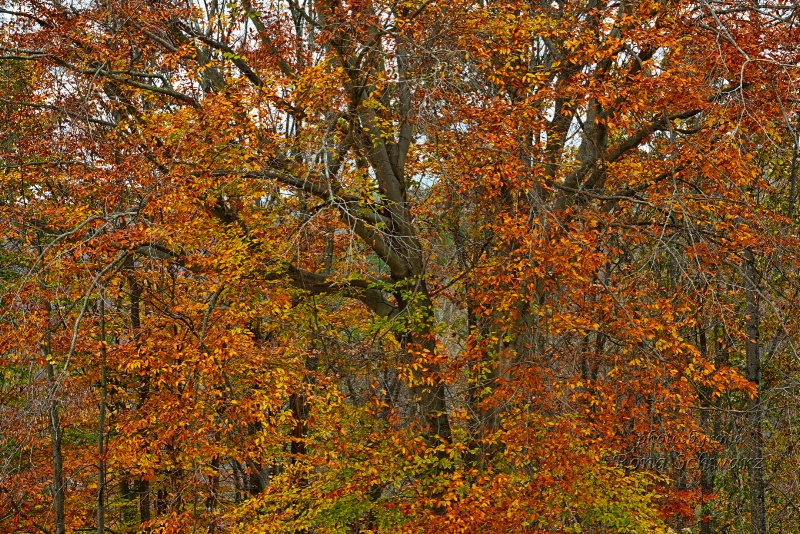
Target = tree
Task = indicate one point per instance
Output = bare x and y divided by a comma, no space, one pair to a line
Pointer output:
404,266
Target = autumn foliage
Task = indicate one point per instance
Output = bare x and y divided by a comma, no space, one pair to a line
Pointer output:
398,266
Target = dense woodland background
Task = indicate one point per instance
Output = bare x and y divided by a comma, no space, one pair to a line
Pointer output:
342,266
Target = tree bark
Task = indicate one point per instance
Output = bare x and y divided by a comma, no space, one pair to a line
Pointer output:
427,387
101,421
758,517
707,460
142,486
56,435
144,500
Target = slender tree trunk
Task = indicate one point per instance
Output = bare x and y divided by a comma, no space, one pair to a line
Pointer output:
211,500
680,485
707,460
758,515
56,435
298,403
101,421
58,460
484,420
142,486
793,176
144,500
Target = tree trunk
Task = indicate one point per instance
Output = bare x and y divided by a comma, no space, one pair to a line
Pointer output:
710,423
427,388
101,421
55,440
707,460
142,486
144,500
758,519
56,435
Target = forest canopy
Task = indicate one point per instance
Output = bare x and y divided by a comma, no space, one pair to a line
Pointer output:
399,266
